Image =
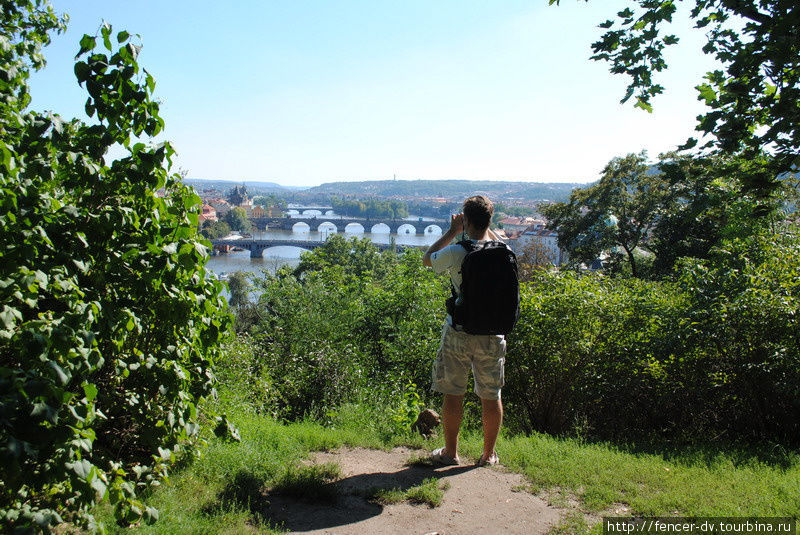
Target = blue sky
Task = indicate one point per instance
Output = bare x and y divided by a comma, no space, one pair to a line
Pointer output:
310,91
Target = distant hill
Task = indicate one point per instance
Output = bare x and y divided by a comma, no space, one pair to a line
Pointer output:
451,189
254,187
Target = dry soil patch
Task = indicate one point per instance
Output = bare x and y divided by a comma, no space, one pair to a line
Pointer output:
479,500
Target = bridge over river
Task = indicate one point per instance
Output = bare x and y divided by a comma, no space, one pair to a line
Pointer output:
396,226
301,209
258,246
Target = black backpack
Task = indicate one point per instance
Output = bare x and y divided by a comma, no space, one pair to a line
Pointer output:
489,302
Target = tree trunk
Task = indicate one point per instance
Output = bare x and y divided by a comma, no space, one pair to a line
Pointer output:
632,260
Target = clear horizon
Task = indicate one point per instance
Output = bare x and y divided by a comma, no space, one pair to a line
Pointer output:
303,94
258,180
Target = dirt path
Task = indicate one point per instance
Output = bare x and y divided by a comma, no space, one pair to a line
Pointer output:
478,500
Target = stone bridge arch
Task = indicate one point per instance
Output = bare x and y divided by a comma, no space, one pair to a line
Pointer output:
283,246
327,226
407,228
433,228
380,228
355,228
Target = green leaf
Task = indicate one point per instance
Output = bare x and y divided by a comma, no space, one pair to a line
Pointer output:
150,515
9,316
46,411
81,468
90,391
122,36
150,81
707,93
640,103
191,200
99,487
87,43
80,264
62,376
133,50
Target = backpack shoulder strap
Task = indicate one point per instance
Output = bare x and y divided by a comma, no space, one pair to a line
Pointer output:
469,245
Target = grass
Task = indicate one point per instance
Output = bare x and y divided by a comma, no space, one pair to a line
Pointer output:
309,483
430,492
227,488
718,483
421,460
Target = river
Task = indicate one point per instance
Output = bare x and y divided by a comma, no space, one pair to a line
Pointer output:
276,257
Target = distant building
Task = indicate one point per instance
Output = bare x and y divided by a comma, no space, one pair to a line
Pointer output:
208,213
273,211
521,223
547,239
255,210
221,206
238,197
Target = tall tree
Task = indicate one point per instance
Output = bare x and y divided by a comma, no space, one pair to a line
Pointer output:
215,229
704,203
236,219
239,287
681,207
619,211
753,101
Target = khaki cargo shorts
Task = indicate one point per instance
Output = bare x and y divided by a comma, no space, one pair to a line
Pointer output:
459,352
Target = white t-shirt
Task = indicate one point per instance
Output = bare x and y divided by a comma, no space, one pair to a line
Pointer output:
449,259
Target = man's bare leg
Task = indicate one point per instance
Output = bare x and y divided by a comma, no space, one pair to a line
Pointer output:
492,420
452,411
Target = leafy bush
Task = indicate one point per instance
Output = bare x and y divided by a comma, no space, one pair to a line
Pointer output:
108,321
715,351
743,326
345,327
589,350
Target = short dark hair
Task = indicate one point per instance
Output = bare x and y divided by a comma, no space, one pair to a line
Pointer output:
478,210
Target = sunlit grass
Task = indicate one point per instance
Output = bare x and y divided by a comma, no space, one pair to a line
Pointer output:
225,490
309,483
430,492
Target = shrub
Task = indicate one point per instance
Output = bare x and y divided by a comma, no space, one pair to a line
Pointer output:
108,321
713,352
743,327
345,327
588,350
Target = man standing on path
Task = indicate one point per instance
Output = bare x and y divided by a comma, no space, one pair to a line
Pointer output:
459,351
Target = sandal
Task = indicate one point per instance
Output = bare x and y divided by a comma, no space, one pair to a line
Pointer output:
438,456
491,461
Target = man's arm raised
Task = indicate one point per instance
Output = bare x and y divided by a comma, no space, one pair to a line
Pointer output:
456,226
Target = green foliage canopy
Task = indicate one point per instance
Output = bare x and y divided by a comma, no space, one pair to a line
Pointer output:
215,229
350,324
753,101
681,207
618,211
108,322
237,219
713,351
370,208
